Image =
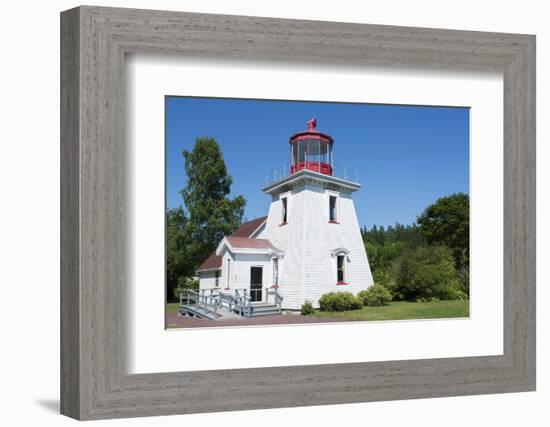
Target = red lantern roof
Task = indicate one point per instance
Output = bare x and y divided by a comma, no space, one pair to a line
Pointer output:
311,133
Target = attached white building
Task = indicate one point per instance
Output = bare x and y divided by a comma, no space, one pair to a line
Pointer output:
309,244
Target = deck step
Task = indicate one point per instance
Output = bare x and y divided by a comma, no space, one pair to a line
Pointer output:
265,307
264,310
264,313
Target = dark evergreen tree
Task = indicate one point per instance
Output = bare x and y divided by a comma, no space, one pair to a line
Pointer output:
193,232
211,213
178,264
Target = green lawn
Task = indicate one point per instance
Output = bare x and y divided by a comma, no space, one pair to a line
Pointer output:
402,310
172,307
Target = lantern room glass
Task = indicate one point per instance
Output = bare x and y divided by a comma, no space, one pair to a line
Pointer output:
313,154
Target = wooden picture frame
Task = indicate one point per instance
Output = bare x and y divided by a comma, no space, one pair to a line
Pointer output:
94,41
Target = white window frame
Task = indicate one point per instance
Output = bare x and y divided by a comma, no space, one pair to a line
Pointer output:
275,270
346,265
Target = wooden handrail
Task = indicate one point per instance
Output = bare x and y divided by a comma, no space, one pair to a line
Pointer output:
278,298
212,299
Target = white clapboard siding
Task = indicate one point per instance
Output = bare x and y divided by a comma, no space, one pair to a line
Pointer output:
243,264
290,238
308,240
207,279
239,276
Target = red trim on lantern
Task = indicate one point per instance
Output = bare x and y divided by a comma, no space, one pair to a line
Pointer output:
320,167
308,136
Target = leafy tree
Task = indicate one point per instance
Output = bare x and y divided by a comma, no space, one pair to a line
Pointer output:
211,214
442,224
426,272
447,222
385,245
463,276
178,264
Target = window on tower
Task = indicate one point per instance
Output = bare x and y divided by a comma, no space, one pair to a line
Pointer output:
340,264
284,213
332,209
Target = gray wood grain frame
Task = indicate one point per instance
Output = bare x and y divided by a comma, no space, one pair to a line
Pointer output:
94,41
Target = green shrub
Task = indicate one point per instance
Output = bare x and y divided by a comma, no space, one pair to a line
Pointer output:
463,276
307,308
185,283
457,294
356,303
425,273
340,301
376,295
382,277
177,292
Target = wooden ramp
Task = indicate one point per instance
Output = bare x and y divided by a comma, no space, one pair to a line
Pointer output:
213,305
198,311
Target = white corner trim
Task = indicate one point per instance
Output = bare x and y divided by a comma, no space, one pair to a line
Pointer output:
255,232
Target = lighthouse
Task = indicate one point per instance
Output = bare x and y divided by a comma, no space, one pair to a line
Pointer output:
310,241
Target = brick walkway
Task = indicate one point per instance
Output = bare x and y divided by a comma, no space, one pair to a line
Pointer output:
173,320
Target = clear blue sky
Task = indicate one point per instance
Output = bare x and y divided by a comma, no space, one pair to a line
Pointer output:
405,156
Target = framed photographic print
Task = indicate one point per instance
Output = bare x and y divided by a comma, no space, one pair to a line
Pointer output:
301,212
311,251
